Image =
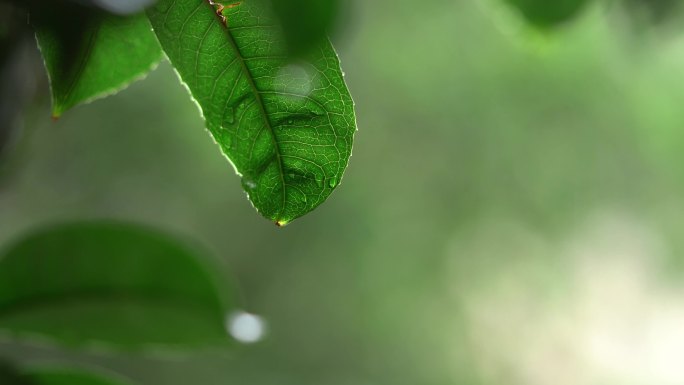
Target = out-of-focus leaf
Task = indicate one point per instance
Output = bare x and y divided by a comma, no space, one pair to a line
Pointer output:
545,13
122,285
9,375
653,11
21,76
286,126
89,53
306,23
64,376
16,76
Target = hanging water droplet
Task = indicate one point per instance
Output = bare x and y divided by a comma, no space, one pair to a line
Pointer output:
229,116
332,182
245,327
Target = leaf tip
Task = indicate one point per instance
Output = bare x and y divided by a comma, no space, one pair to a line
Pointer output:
57,112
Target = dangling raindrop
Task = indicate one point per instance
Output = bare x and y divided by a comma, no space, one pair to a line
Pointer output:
245,327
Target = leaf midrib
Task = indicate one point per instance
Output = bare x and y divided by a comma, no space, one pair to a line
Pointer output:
264,114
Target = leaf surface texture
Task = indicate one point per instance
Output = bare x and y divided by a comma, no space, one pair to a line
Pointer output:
287,126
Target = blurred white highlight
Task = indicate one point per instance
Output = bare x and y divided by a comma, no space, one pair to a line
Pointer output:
245,327
294,79
124,7
601,314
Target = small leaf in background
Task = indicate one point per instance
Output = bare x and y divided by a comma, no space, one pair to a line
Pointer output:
648,12
547,14
122,285
64,376
306,23
89,53
287,126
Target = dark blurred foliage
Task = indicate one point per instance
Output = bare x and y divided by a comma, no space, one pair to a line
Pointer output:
545,14
70,24
647,12
66,19
9,375
306,22
19,71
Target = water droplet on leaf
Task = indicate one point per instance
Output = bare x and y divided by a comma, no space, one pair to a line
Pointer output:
249,183
294,79
229,116
332,182
241,106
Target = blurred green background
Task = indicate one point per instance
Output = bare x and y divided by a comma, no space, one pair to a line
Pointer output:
512,212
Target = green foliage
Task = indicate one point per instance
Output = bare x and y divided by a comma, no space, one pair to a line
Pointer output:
123,285
268,83
89,53
286,126
546,14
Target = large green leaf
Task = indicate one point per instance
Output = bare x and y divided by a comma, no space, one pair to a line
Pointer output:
122,285
545,13
64,376
90,53
286,126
